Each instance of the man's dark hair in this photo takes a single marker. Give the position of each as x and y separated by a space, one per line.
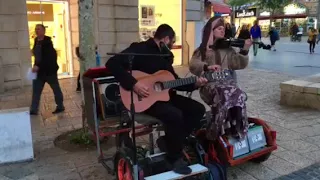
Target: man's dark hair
42 26
164 30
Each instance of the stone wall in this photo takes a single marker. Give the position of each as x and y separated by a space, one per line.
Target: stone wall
116 26
301 93
14 47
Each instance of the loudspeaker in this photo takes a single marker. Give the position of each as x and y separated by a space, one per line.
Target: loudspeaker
110 96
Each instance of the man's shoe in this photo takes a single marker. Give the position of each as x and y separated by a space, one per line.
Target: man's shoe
58 110
33 113
181 167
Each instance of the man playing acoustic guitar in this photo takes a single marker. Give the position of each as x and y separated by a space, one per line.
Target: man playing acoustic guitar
180 115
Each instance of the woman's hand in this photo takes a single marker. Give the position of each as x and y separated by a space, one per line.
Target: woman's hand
214 67
201 81
247 44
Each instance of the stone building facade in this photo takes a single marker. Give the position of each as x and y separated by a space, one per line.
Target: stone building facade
14 44
116 26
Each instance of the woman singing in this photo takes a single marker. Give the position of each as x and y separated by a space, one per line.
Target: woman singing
226 99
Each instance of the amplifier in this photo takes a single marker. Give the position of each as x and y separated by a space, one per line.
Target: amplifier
110 96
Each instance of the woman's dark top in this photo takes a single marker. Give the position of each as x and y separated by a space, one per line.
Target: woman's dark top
244 34
228 33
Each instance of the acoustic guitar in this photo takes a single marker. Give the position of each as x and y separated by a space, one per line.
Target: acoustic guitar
159 85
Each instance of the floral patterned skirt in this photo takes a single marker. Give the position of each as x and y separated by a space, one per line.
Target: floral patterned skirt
228 108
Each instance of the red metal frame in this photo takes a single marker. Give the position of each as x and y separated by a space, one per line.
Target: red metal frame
219 153
98 72
215 152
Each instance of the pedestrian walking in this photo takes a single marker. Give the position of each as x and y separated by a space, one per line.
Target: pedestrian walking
274 37
312 39
234 30
318 36
46 67
255 32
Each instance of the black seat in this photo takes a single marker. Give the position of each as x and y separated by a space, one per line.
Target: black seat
145 119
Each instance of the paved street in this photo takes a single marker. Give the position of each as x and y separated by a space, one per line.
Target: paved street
291 58
298 131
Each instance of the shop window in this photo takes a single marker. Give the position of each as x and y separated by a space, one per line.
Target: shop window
52 15
156 12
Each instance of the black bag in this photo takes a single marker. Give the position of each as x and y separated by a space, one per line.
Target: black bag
217 171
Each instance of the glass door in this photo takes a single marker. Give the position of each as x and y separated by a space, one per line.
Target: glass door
52 15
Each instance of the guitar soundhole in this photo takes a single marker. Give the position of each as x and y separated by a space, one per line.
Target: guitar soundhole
158 86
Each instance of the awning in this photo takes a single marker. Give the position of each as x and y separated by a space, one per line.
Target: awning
282 16
219 7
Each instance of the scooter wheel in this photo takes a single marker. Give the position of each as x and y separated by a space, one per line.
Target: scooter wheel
123 165
262 158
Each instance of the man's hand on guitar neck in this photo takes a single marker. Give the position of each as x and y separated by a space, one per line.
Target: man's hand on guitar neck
141 89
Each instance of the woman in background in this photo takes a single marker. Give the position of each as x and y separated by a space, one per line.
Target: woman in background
244 32
228 31
274 36
312 39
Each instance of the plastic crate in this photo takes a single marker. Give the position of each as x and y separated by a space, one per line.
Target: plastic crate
256 138
240 147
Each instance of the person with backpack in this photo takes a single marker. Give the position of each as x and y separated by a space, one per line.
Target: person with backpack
46 67
274 37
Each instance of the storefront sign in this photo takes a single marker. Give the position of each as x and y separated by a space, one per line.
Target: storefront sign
294 9
246 13
40 12
147 15
265 13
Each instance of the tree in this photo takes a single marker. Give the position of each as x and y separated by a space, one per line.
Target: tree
86 42
272 5
235 3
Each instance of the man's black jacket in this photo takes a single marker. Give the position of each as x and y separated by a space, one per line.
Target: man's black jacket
48 64
118 65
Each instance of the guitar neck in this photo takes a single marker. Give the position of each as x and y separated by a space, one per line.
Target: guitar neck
210 76
179 82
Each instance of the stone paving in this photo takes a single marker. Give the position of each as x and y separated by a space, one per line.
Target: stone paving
298 134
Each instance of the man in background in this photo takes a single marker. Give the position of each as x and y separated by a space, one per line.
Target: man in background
255 32
234 30
46 67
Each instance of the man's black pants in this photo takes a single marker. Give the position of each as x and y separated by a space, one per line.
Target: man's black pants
180 116
78 82
37 87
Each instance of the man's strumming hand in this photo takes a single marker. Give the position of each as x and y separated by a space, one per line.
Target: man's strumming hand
141 89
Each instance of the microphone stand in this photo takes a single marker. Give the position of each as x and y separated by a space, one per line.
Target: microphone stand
131 56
